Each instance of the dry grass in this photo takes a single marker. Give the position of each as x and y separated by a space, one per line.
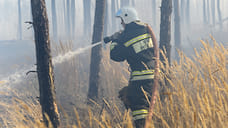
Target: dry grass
197 96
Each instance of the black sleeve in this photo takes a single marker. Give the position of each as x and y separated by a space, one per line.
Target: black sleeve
117 51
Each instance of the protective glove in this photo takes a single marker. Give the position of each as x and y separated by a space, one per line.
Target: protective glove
107 39
112 37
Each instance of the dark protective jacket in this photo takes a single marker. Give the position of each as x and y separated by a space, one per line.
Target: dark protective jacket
135 45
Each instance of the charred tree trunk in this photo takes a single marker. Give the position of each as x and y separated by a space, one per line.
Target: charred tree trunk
177 30
87 17
44 63
19 21
165 29
96 51
73 18
54 20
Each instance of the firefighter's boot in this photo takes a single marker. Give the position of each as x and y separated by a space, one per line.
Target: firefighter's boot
123 97
140 123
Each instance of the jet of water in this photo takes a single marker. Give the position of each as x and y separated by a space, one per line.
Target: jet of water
67 56
19 76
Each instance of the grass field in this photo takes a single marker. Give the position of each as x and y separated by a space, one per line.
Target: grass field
194 93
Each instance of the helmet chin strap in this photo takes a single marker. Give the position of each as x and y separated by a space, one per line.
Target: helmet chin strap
122 23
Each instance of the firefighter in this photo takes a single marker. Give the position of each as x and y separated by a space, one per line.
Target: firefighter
135 44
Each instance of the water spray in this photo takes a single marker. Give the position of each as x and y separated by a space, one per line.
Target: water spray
67 56
18 76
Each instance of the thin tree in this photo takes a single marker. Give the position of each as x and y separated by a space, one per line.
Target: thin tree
183 10
44 64
68 19
177 28
124 3
219 14
213 11
113 12
73 18
87 17
19 21
154 7
204 12
118 4
65 16
165 29
208 12
96 51
106 22
54 20
133 3
165 45
188 13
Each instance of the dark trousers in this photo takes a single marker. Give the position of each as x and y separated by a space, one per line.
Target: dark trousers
136 96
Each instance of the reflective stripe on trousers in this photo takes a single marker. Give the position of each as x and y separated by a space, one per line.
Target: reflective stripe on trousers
139 114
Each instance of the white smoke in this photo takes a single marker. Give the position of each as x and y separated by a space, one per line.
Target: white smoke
20 75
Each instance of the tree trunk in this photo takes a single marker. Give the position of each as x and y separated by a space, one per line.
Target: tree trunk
106 22
68 19
113 12
154 6
208 12
219 14
177 30
64 17
213 11
96 51
188 13
44 63
19 21
133 2
124 3
118 4
165 29
54 20
183 10
204 12
87 17
73 18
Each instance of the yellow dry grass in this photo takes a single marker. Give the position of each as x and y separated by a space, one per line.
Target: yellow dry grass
197 95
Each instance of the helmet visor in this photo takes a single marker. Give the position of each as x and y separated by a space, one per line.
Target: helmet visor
119 13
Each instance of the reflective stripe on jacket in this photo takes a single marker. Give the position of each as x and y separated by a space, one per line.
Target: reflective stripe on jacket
135 45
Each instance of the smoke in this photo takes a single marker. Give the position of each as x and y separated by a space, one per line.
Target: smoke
16 77
20 75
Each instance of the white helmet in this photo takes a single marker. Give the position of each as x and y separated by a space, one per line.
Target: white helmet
128 14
